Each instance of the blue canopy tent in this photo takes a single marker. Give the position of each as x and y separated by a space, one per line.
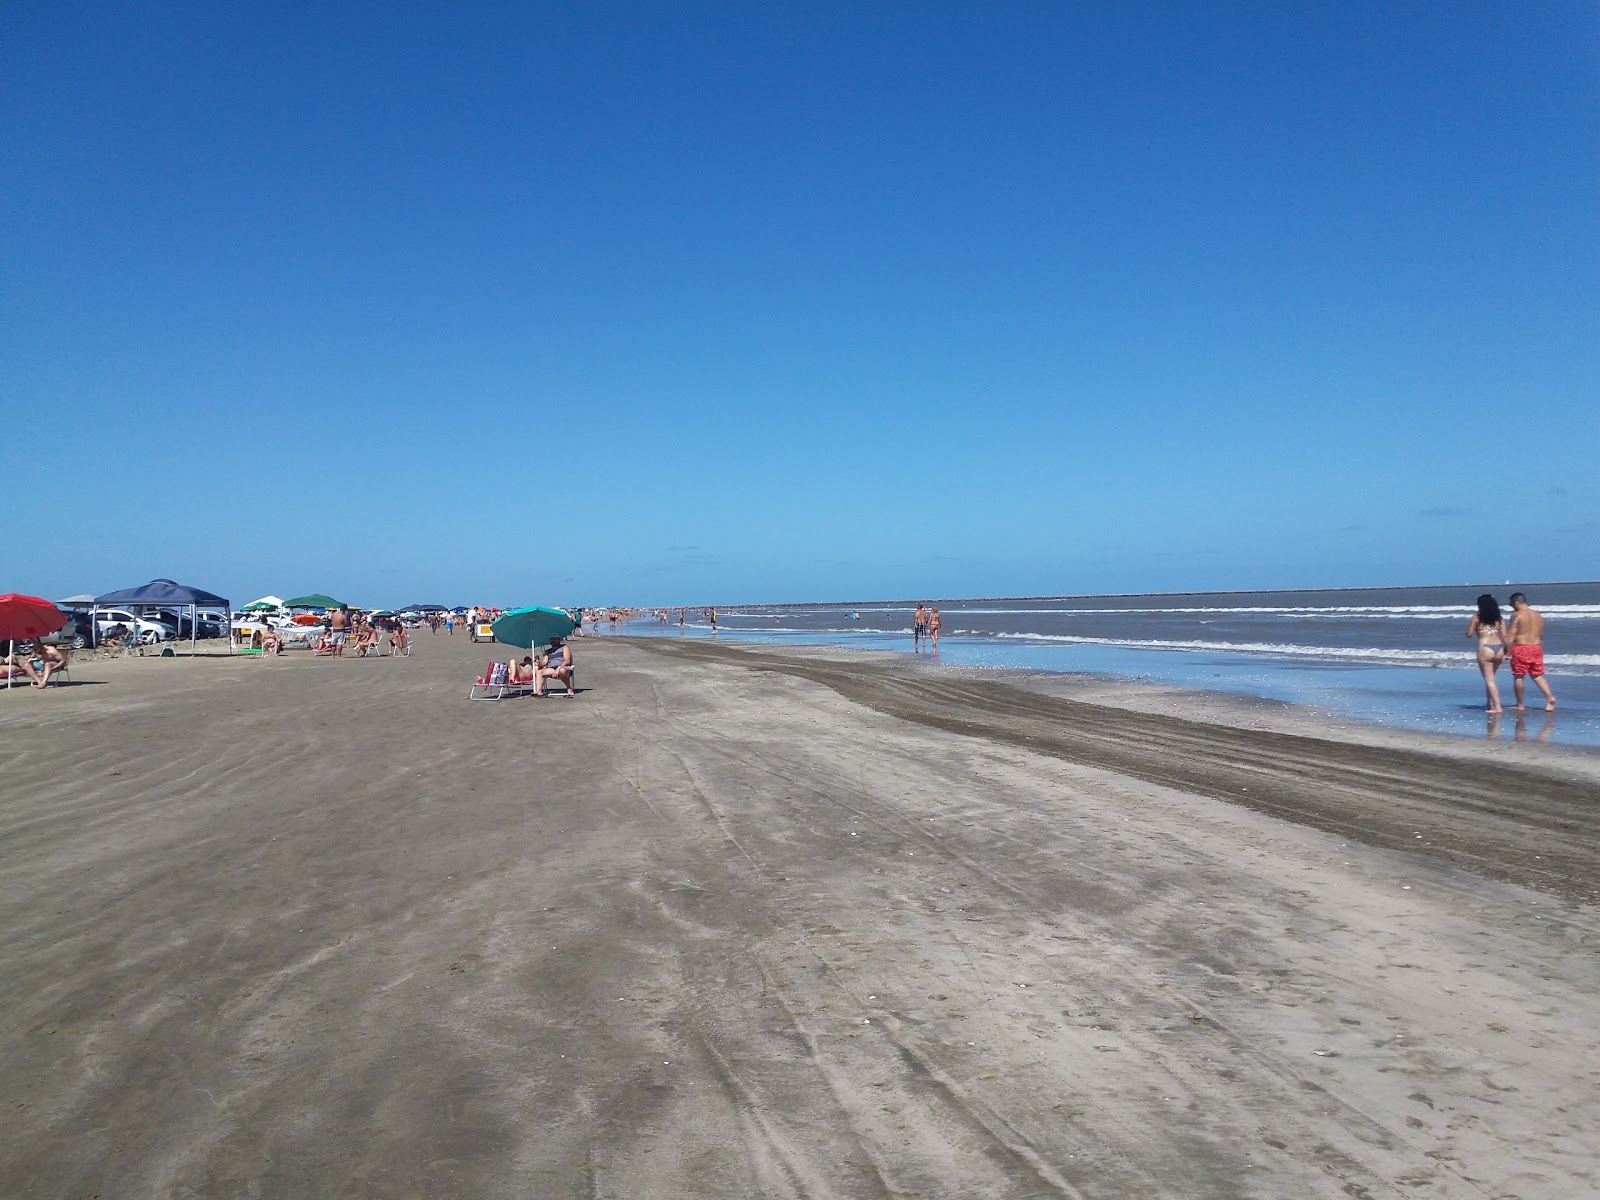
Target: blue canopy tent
163 593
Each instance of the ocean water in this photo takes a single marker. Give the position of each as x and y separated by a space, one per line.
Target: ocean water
1396 657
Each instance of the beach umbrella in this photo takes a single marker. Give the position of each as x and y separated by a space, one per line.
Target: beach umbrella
530 627
315 600
27 617
381 612
426 607
77 601
264 604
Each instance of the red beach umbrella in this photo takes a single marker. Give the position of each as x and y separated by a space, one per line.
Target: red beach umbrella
28 617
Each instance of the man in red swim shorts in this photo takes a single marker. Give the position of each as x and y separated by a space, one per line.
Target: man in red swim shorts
1525 633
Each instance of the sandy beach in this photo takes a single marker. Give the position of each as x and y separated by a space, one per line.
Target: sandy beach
740 922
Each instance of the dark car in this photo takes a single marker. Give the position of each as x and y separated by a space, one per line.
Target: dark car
210 625
75 633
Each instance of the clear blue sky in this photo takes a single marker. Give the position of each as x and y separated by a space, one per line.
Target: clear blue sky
687 303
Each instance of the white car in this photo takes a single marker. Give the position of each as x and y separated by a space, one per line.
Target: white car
149 631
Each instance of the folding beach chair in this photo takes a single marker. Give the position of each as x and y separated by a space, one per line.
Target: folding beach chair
496 684
64 671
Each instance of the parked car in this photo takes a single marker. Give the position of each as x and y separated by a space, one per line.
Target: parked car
177 618
149 630
75 633
212 624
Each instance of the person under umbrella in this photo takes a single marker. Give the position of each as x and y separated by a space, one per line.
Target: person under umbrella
23 617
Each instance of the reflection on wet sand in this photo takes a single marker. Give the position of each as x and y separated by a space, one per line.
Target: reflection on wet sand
1545 729
1519 732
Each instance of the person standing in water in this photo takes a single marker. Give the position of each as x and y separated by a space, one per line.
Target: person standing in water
919 625
935 623
1488 626
1525 633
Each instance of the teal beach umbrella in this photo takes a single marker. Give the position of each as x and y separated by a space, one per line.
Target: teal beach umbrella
529 627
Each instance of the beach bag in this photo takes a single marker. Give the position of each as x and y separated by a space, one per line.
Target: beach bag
496 674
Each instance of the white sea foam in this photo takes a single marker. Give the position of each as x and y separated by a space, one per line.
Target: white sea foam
1391 656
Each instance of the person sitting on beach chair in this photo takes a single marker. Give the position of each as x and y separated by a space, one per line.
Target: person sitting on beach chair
47 660
271 643
116 637
522 672
555 663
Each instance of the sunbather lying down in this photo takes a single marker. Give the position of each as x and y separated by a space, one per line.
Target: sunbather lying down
521 672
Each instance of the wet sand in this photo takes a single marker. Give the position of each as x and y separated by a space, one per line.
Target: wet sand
741 923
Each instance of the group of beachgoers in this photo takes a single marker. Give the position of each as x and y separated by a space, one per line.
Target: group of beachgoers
467 618
925 625
355 631
340 629
32 660
1519 637
555 663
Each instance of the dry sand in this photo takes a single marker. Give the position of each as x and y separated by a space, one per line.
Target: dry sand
736 923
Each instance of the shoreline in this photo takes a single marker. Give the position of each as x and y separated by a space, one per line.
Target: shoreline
1292 765
1394 699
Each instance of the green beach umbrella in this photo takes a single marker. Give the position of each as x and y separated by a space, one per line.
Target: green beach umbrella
258 606
315 600
529 627
381 612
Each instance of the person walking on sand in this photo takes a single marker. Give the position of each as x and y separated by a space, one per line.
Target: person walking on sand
919 626
1488 626
1525 633
935 623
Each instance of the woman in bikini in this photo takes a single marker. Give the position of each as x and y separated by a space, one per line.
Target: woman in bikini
1488 626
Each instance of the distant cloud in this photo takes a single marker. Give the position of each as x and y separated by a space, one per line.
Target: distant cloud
1443 512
